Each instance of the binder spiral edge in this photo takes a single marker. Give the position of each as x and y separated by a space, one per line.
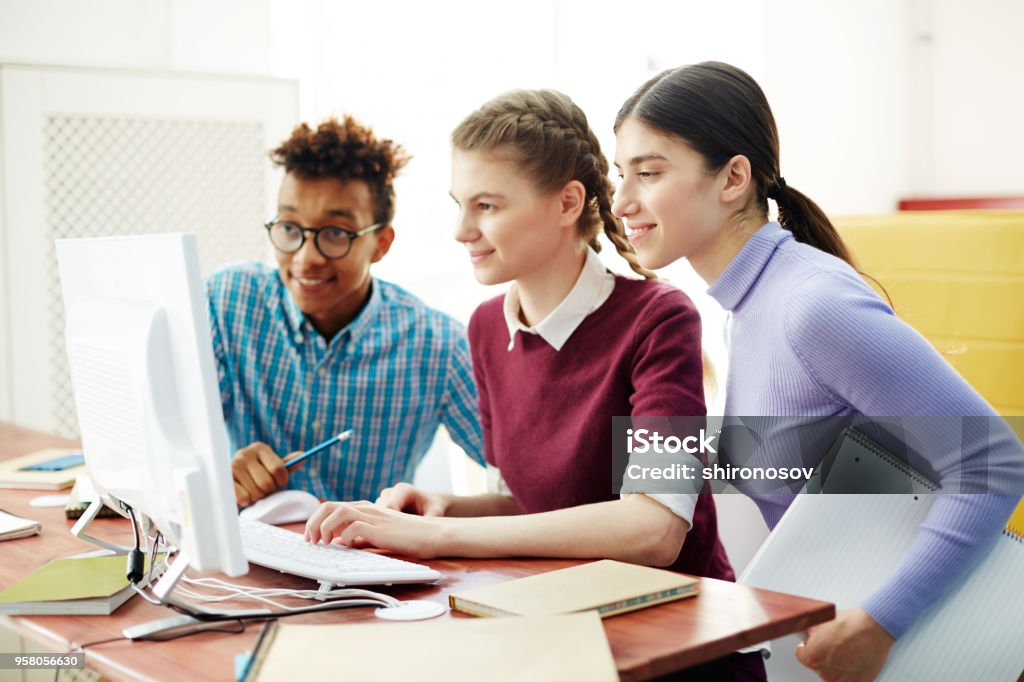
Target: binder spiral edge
892 461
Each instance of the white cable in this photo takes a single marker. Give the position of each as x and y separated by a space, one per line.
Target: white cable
340 593
145 596
355 597
259 593
322 606
264 595
207 599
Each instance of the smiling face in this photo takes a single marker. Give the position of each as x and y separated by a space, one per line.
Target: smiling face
671 205
512 230
330 292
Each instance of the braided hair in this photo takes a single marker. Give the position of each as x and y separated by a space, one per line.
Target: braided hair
547 136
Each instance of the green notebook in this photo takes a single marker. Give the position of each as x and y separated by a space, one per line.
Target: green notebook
74 586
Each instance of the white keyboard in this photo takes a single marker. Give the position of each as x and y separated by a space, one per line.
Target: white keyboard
287 551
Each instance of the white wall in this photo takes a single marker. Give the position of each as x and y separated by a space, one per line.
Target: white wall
879 100
974 103
874 100
838 80
146 37
230 36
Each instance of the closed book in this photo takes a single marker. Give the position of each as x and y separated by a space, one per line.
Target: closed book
13 473
608 587
94 585
12 526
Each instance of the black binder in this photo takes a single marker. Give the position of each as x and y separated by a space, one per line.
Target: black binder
856 464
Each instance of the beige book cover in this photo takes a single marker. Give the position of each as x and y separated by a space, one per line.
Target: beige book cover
608 587
543 649
11 475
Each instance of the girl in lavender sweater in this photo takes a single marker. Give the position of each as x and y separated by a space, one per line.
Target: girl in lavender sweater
698 154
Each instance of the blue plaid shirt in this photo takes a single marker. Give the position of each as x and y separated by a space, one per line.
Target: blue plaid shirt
392 375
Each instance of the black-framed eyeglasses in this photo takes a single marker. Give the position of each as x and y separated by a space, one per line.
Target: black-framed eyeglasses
331 241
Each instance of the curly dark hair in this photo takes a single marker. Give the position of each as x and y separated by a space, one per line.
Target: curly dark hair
346 150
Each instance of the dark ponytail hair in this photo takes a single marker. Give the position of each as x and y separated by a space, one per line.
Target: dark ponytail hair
547 136
721 112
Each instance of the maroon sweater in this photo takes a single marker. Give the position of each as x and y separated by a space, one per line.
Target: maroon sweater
547 414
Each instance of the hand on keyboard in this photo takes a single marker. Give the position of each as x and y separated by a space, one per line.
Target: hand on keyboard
406 498
287 551
377 526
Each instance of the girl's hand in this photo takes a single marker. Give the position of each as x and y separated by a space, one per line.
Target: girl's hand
851 648
359 524
404 497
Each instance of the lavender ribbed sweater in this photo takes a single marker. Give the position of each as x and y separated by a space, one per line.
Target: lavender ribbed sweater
809 338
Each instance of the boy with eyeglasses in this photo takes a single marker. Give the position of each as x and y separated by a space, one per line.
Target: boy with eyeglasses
318 345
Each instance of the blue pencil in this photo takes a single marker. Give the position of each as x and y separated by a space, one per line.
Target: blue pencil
341 437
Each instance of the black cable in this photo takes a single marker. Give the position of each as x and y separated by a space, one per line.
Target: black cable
135 527
237 631
81 647
323 606
157 539
136 557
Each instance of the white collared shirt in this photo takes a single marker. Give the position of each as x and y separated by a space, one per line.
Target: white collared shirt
592 289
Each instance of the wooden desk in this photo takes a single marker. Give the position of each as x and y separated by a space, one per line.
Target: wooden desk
646 643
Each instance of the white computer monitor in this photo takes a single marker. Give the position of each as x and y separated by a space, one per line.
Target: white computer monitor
146 390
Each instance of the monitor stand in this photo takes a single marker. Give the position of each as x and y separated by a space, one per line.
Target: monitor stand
78 530
171 627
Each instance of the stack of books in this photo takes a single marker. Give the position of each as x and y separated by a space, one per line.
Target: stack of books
52 469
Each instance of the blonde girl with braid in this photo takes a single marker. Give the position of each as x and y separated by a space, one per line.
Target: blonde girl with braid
568 347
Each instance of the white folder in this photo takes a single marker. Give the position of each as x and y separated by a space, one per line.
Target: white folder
841 548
